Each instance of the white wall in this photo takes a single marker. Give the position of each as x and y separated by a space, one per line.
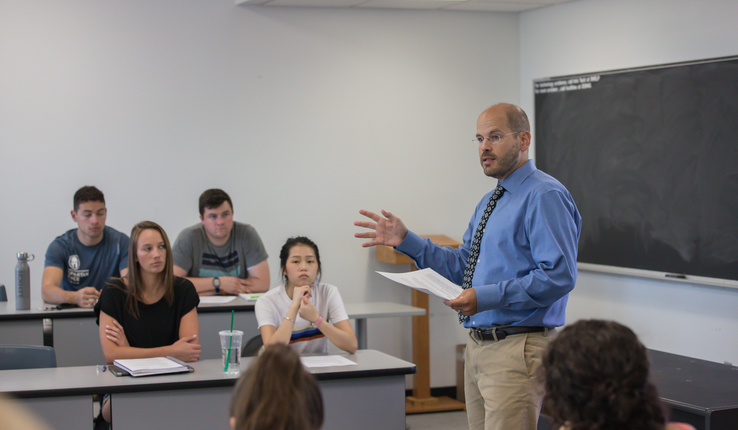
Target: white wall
304 116
598 35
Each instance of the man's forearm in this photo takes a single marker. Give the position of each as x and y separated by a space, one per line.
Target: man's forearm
258 285
56 295
203 286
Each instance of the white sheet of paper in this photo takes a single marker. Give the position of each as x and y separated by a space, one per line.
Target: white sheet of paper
326 361
156 363
251 297
427 281
216 300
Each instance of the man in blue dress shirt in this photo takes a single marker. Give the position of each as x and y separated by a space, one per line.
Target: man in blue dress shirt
517 290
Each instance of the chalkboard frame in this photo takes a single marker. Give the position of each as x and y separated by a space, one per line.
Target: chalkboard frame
561 104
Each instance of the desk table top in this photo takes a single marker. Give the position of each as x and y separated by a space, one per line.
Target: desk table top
381 309
40 310
695 384
84 380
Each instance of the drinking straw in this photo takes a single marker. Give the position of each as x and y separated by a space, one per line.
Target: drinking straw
230 342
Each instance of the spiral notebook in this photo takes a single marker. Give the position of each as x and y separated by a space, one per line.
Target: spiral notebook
152 366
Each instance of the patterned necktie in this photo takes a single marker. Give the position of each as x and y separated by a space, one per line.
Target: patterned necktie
471 263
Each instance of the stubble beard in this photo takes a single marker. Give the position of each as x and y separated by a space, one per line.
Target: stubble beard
505 163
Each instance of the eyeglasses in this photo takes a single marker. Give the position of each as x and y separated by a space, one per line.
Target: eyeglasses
494 139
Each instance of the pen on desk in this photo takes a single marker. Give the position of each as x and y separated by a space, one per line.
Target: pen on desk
675 276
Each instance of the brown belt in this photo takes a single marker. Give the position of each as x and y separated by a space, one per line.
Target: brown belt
499 333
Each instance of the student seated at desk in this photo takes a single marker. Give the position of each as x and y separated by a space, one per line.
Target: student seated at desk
303 312
276 392
80 261
597 378
220 255
150 313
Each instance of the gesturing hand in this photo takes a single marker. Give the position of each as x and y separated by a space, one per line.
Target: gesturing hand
387 231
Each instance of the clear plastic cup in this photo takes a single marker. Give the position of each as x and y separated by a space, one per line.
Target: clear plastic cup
230 347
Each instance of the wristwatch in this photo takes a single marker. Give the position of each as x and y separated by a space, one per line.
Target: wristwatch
216 284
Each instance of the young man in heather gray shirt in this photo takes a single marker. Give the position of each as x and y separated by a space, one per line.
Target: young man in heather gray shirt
219 255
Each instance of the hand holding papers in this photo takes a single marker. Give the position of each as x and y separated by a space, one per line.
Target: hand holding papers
427 281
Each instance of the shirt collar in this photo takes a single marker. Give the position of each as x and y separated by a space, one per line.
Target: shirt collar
516 178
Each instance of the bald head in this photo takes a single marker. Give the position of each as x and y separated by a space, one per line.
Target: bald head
503 133
517 120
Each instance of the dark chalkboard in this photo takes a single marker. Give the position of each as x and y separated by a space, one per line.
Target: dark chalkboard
651 158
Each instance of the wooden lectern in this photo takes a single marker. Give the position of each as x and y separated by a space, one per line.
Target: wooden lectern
421 400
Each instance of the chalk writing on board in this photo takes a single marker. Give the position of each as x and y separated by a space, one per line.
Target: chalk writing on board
571 84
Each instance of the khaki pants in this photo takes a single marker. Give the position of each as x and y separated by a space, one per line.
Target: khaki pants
500 383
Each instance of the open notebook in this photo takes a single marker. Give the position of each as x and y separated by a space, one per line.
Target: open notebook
152 366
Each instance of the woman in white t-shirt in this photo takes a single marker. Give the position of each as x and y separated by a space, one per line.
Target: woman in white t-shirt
303 312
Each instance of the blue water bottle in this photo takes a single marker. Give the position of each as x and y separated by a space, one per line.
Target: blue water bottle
23 281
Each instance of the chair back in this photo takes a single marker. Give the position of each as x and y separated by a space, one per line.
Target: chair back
252 347
26 357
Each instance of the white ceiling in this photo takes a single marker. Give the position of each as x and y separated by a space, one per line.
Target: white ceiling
467 5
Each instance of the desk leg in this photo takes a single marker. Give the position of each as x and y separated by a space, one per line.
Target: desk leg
421 354
361 332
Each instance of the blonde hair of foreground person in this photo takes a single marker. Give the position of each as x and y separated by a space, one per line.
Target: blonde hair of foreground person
277 393
16 417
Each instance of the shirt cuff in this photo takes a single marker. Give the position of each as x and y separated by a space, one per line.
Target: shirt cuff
411 245
487 297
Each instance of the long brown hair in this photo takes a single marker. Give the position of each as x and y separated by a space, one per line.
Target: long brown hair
276 392
135 280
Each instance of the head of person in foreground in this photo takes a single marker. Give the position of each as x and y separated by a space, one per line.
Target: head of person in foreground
277 392
597 378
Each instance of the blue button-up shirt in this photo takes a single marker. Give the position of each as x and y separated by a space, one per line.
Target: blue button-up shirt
528 255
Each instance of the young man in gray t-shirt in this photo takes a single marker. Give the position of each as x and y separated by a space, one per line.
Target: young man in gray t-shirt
219 255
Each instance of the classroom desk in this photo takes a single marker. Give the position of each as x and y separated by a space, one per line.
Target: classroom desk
361 311
20 327
698 392
370 395
76 336
701 393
